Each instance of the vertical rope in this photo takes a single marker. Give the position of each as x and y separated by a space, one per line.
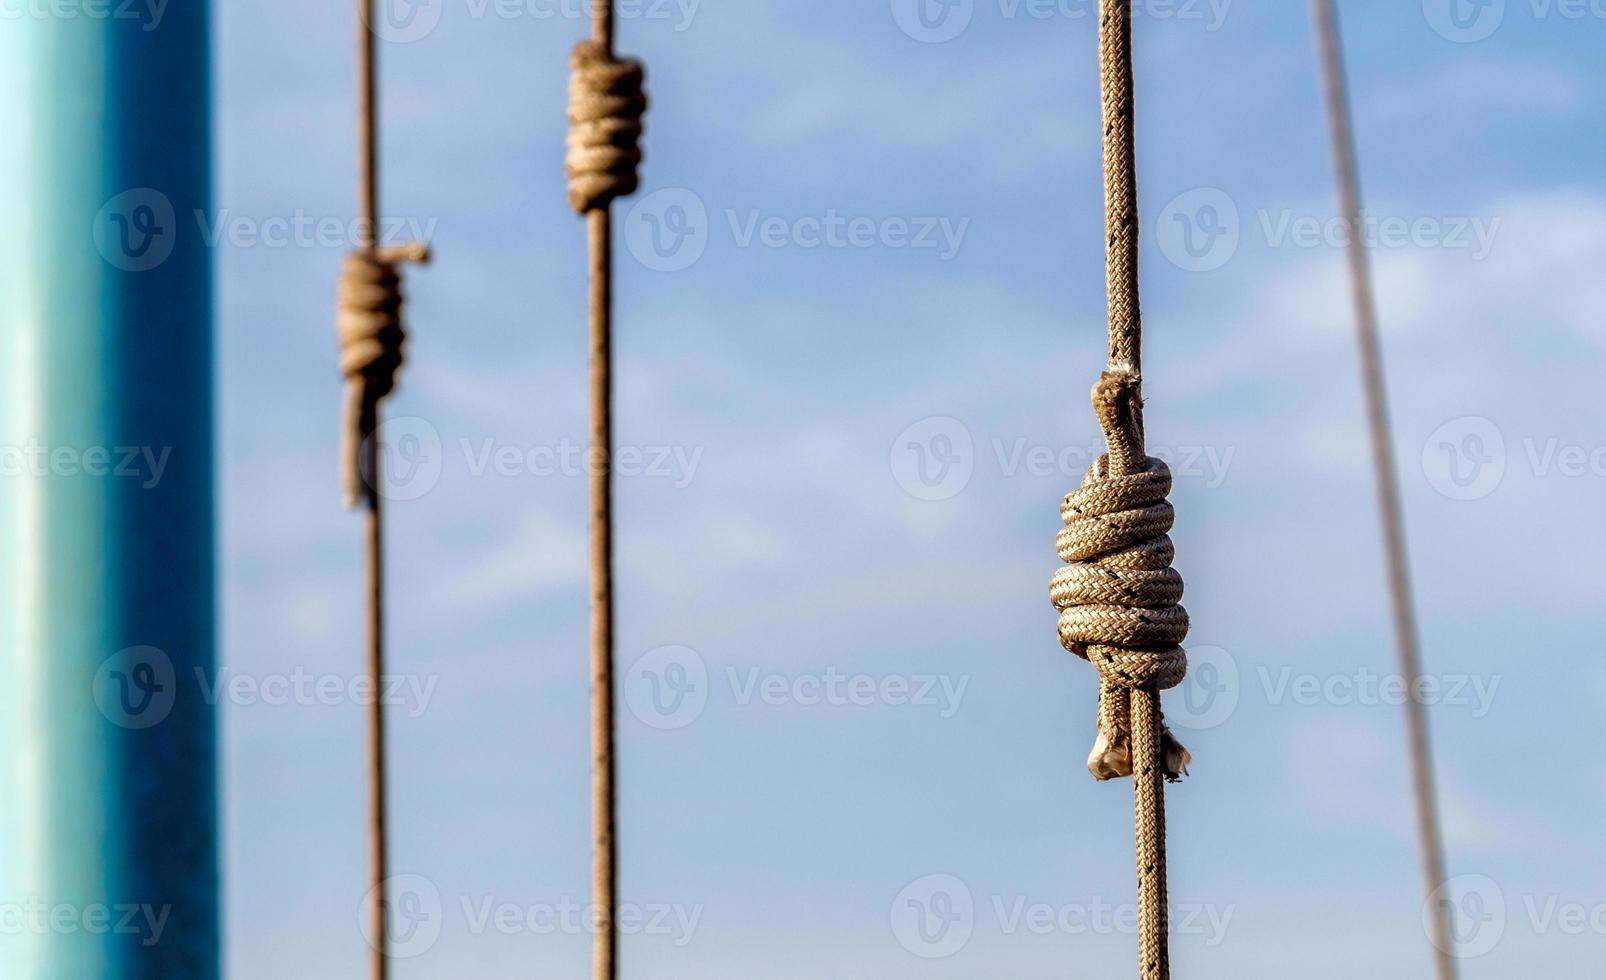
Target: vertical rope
604 866
367 223
1126 352
1120 185
606 105
1346 169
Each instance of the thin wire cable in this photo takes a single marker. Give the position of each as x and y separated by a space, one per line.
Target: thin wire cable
1346 169
1126 352
367 215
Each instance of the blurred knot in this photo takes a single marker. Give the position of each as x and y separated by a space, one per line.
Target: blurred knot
606 105
1118 595
368 324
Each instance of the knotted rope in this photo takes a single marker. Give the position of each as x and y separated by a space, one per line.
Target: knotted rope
606 104
1430 839
1118 599
368 324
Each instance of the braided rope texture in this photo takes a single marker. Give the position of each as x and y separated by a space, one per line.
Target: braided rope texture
607 103
1118 594
368 326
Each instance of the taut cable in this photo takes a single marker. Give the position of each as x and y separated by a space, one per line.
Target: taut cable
1118 596
606 105
1429 837
368 324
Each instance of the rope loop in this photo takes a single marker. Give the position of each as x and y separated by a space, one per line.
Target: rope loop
607 101
368 325
1118 594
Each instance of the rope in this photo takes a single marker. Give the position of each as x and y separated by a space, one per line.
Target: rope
606 104
1118 596
368 326
1429 836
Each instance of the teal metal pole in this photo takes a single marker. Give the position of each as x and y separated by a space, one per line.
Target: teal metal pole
108 768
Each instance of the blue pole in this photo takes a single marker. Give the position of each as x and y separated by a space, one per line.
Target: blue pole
108 769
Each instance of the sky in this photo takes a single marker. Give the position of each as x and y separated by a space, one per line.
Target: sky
859 308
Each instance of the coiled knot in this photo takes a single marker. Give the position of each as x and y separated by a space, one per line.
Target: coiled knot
606 106
368 325
1118 594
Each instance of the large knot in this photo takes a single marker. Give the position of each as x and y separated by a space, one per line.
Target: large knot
1118 594
368 325
606 105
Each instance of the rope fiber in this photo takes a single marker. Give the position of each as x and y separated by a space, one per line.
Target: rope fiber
1118 596
606 106
1430 839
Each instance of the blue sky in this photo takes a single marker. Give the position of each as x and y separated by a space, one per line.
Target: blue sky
872 244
